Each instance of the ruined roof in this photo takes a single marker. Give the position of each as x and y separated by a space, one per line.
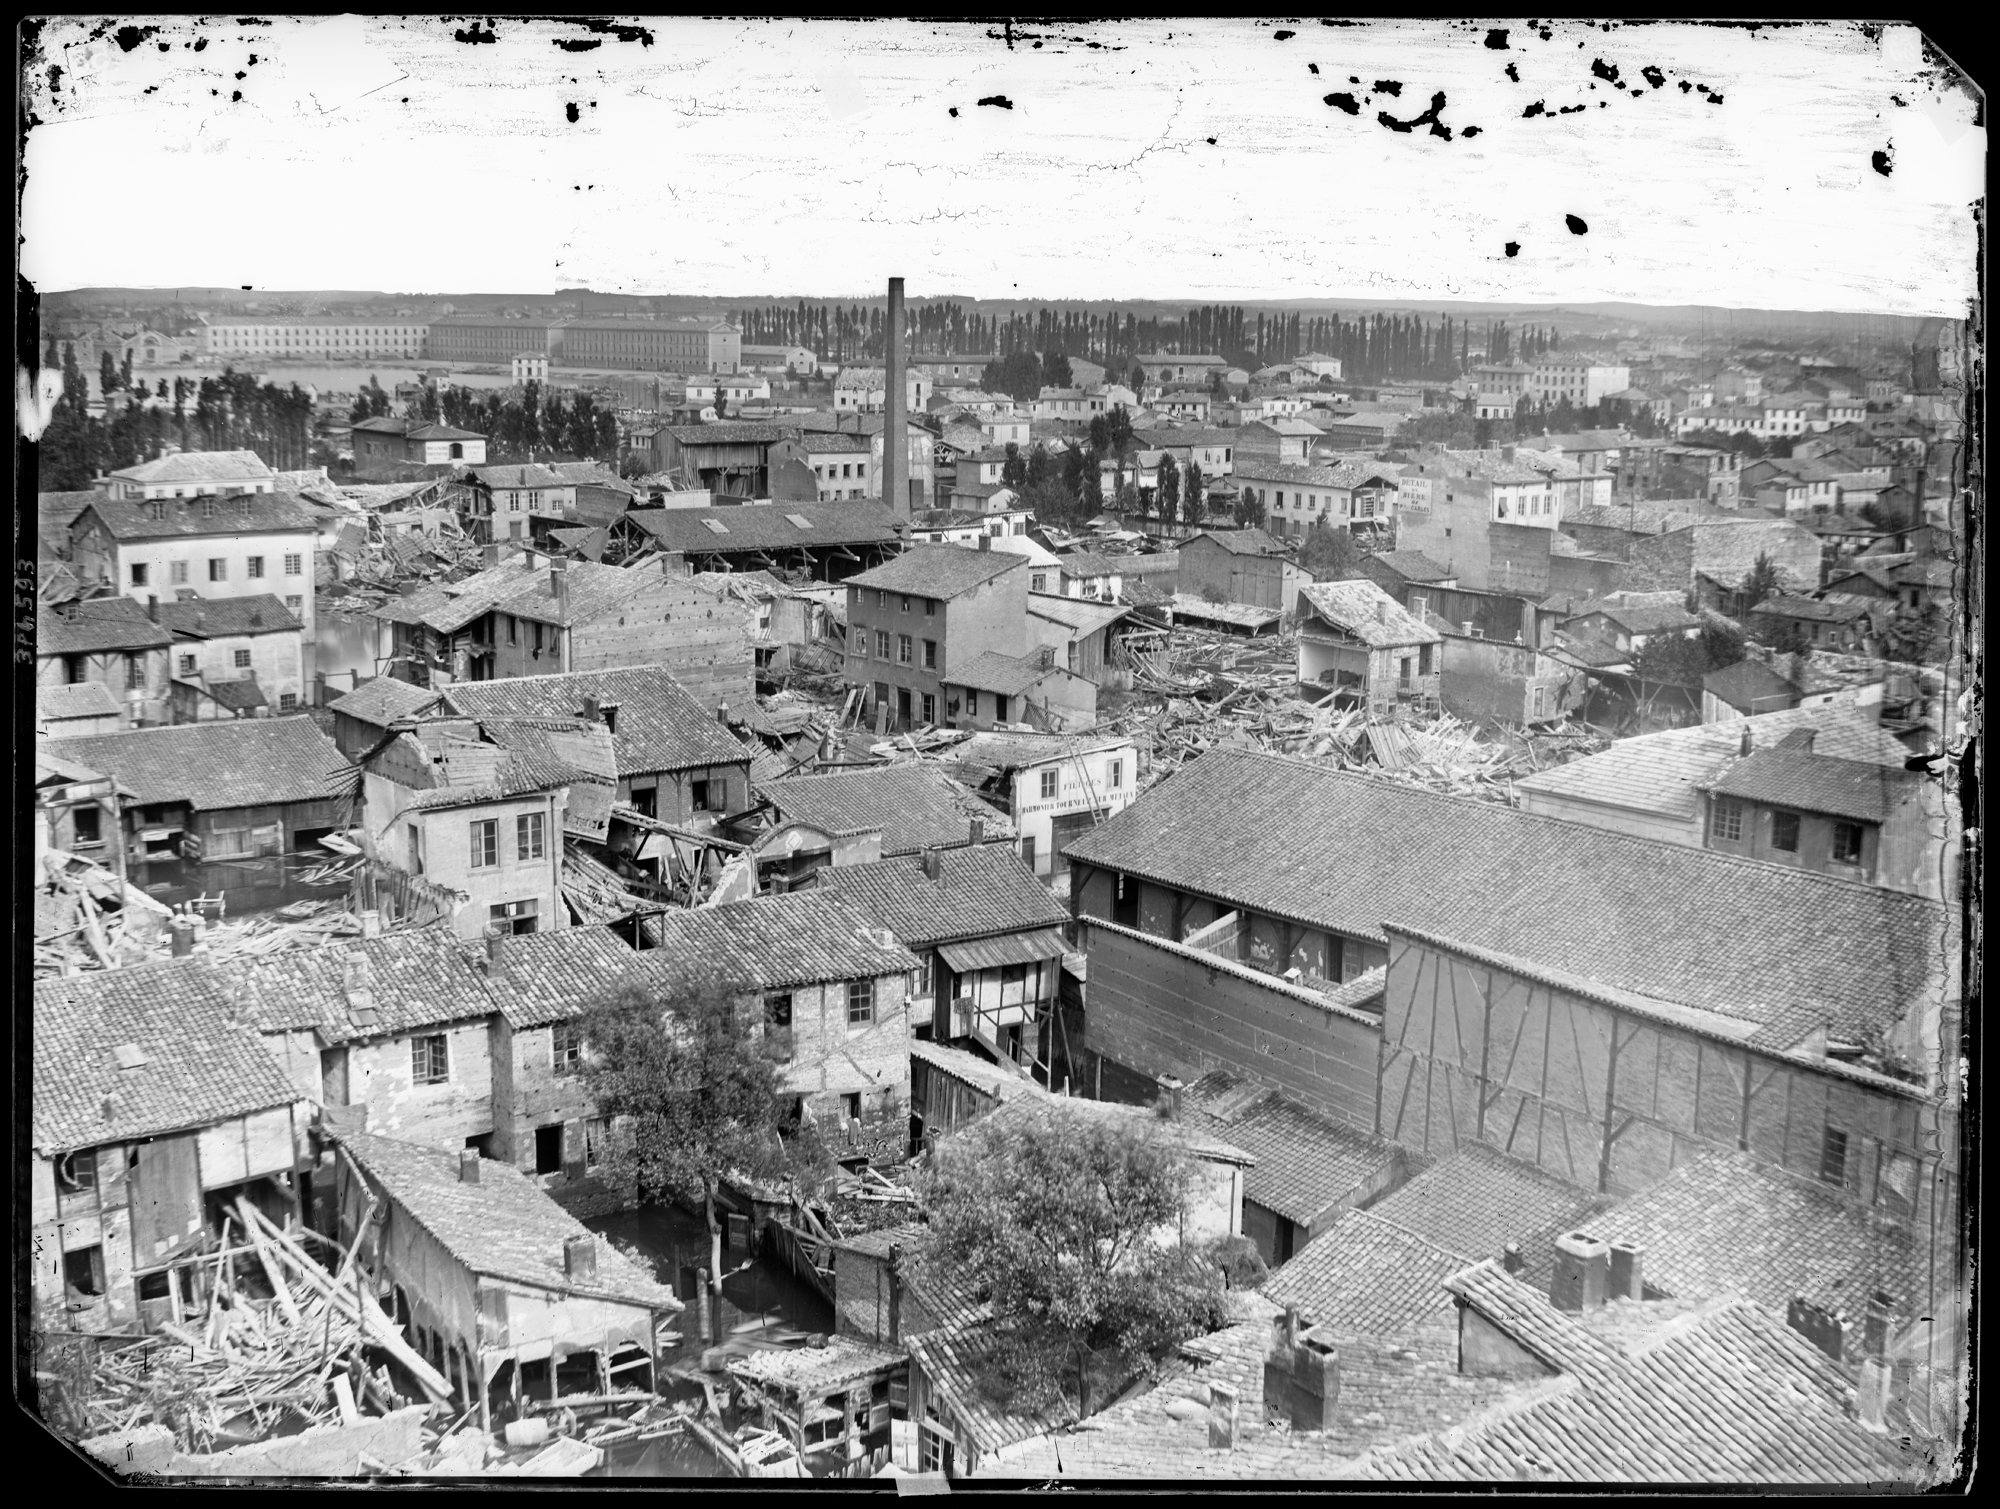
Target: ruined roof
1814 782
203 1061
1364 611
1477 1199
385 700
953 1361
1842 608
1010 750
1081 615
359 989
1725 1222
1343 476
93 626
981 890
660 725
1251 541
1307 1163
912 806
1641 618
943 571
727 432
1738 937
260 762
521 588
1664 772
505 1226
996 1081
815 1371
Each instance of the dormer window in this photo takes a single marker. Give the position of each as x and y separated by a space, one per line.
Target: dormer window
208 508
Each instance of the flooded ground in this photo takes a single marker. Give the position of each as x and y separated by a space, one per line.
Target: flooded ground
249 887
675 1242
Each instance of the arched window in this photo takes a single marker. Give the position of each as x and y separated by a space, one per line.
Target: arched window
457 450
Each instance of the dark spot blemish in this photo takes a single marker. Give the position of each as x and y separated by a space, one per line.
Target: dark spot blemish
954 112
130 37
571 111
1884 160
577 44
1652 76
1513 73
1211 141
1429 118
1312 68
473 34
1538 108
1497 40
235 96
1513 248
1388 86
1605 71
1345 102
998 99
1685 86
1471 131
1576 225
1281 36
200 43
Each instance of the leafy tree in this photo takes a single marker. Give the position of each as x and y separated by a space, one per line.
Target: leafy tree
1041 467
125 373
678 1059
1118 429
1787 636
1100 433
1137 376
1676 661
1056 370
107 374
1073 1225
1330 554
1167 492
1014 470
1194 493
1248 509
1760 582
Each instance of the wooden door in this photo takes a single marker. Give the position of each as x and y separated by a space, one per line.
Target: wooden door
166 1199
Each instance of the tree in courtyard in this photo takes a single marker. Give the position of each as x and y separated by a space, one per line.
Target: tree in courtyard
1330 554
1074 1224
107 374
1056 371
1760 582
1040 470
688 1064
1248 509
1099 433
1014 470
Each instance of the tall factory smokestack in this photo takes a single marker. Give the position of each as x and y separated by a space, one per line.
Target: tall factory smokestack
895 441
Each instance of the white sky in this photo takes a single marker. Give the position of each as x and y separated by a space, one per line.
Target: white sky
738 158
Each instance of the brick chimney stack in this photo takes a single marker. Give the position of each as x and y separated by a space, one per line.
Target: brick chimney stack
468 1165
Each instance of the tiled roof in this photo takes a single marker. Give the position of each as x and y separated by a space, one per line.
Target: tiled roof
511 477
1250 541
1008 675
1815 782
1643 618
1842 609
199 466
1345 476
1743 685
1664 772
205 1063
952 1359
997 751
504 1226
237 696
726 432
979 891
802 938
1413 565
1363 610
1678 924
239 514
385 700
222 617
756 527
913 807
1306 1163
83 699
1366 1274
1079 614
996 1081
212 767
363 988
95 625
1726 1395
1088 563
660 725
1476 1200
942 571
1727 1223
1390 1389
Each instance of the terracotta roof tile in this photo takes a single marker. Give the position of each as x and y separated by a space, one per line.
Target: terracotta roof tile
660 725
257 762
980 890
912 806
1306 1163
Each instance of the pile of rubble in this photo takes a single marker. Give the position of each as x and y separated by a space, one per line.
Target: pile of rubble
1198 691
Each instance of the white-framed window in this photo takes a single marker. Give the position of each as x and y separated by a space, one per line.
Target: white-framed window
860 1002
1726 819
240 659
177 574
485 843
430 1063
295 564
905 649
1114 774
528 836
254 566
